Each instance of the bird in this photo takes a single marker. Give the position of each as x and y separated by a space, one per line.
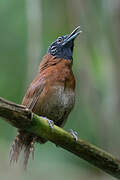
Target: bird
51 94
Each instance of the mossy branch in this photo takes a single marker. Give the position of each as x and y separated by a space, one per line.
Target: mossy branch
20 117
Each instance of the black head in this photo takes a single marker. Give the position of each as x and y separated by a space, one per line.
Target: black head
63 46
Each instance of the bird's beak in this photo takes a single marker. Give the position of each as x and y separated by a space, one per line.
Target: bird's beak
72 35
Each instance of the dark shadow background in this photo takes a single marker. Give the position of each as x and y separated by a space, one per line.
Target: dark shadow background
26 30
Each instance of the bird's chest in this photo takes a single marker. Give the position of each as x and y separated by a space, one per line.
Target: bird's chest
58 104
61 99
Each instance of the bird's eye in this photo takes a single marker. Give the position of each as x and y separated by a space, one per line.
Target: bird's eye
59 40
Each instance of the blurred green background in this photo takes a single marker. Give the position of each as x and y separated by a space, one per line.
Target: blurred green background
27 28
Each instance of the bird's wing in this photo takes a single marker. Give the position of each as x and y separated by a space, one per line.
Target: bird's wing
32 94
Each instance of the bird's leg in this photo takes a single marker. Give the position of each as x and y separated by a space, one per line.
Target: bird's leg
50 122
74 133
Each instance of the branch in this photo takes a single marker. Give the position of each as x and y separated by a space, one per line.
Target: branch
20 117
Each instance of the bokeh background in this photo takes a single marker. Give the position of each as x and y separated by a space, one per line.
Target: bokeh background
27 27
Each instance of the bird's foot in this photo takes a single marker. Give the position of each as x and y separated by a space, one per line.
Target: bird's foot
50 122
74 133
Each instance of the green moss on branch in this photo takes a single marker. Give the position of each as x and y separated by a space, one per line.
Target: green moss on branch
21 117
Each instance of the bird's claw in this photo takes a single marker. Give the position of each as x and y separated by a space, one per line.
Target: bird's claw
74 133
50 122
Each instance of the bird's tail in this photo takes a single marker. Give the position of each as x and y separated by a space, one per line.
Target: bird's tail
25 141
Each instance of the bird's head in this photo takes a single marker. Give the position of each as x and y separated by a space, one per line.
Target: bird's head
63 46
